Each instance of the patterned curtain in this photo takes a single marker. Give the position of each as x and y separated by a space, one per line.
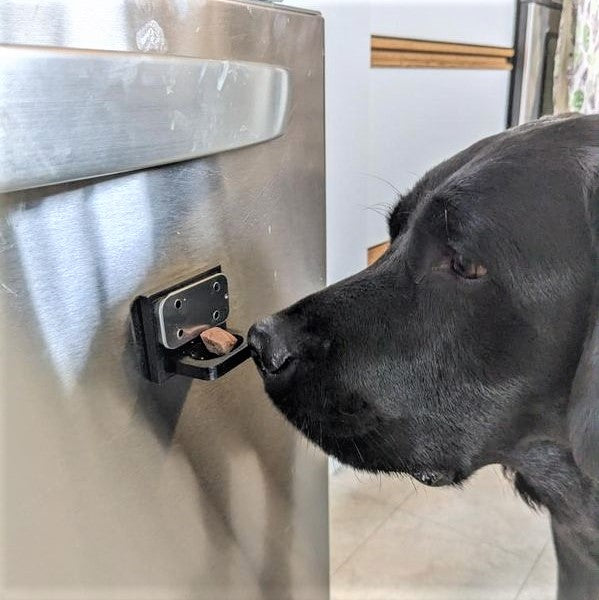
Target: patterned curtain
576 77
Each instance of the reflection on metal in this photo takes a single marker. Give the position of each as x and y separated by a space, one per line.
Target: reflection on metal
113 487
532 84
97 113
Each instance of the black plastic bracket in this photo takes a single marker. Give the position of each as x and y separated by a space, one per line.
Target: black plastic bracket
191 358
198 363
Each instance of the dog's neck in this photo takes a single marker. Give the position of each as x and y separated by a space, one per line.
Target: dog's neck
546 475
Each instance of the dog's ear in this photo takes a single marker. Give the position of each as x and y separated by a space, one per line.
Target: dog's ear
583 415
583 411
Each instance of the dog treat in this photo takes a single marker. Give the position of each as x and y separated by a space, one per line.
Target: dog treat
218 341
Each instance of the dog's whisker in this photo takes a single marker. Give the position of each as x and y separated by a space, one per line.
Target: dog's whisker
446 223
382 211
379 178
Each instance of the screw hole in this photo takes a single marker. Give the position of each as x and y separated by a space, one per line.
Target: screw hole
216 286
178 304
216 315
180 333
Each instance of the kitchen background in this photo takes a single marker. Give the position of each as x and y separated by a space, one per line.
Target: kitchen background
394 109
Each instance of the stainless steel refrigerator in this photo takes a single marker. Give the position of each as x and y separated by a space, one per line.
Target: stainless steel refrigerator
155 151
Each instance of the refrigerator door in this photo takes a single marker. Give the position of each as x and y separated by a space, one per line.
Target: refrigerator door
116 488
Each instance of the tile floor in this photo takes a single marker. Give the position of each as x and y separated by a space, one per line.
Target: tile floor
395 539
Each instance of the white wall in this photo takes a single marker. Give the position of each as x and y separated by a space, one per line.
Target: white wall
347 68
398 123
487 22
420 117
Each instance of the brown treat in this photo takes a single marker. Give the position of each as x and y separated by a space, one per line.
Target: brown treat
218 341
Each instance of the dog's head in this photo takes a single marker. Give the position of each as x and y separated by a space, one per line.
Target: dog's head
467 334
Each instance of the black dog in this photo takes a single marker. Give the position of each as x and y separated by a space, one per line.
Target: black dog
473 340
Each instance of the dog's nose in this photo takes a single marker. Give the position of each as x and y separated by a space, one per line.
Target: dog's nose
272 348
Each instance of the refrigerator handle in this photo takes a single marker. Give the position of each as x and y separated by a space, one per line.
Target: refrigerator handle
75 114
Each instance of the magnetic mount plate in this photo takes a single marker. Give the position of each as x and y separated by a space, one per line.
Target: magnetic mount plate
185 312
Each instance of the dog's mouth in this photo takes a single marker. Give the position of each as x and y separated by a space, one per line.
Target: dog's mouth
434 478
333 422
345 424
284 368
353 435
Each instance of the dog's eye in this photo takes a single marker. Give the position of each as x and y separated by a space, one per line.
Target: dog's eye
468 269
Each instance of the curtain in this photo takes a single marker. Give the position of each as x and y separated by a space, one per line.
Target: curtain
576 77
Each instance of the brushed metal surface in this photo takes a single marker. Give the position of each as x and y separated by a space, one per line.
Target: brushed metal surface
113 488
99 113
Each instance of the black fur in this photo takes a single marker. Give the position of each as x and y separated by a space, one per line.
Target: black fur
409 367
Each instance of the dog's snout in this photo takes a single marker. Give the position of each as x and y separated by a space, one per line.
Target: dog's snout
272 347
